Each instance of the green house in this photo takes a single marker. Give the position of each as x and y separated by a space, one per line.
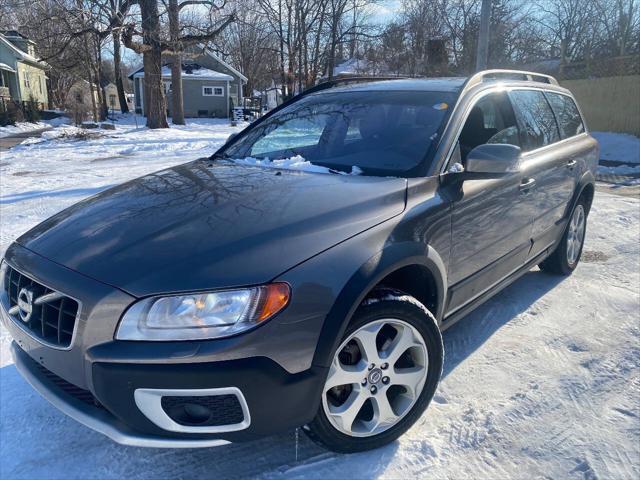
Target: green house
22 76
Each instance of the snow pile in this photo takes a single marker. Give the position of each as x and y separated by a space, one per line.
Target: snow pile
21 127
619 147
619 154
25 127
297 162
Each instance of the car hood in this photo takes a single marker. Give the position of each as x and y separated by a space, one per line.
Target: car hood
203 226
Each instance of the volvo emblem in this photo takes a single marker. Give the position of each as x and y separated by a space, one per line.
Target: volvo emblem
25 304
375 376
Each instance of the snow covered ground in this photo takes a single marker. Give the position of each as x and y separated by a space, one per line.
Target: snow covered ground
25 127
542 381
619 154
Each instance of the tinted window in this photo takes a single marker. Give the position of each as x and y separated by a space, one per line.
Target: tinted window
491 120
382 132
538 125
567 114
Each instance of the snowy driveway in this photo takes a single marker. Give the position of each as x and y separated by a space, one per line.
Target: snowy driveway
541 381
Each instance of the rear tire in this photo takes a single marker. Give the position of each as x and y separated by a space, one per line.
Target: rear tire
566 256
383 375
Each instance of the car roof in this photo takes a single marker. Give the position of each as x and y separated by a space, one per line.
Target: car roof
441 84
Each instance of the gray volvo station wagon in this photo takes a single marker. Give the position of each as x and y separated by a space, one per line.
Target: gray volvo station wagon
231 298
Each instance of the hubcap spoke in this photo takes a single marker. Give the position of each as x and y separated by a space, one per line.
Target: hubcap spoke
403 341
348 411
410 378
366 339
345 374
383 414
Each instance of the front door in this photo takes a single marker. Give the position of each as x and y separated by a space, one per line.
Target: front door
491 223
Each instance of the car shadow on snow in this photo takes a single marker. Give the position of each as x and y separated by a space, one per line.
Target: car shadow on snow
38 441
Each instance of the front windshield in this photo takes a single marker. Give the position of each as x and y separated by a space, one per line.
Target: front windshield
377 132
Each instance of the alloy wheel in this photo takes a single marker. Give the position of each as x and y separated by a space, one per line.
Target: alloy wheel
575 235
375 378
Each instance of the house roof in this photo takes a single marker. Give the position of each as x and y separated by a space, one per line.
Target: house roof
213 55
4 66
191 72
21 55
208 52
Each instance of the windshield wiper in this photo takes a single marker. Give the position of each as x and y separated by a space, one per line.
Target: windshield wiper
218 156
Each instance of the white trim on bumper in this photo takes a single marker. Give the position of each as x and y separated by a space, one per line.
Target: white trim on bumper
149 400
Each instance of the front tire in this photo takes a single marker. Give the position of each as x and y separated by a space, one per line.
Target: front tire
566 256
383 375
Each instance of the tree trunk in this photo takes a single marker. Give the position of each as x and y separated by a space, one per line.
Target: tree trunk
122 98
154 100
104 109
177 102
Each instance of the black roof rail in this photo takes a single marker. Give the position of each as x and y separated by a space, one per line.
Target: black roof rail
337 82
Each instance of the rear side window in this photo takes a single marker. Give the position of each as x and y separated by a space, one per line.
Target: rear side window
537 122
569 119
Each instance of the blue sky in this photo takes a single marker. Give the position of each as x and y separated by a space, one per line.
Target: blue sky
384 11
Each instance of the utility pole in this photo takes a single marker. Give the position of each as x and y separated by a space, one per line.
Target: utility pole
482 54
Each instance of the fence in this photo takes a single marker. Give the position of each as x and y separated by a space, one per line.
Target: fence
610 104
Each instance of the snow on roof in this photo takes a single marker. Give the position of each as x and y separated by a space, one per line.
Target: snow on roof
4 66
21 55
195 72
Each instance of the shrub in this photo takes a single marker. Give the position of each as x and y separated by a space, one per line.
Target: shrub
10 113
31 110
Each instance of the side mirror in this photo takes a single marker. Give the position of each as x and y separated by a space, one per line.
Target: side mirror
231 137
493 158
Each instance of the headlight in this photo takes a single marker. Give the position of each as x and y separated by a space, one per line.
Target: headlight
201 316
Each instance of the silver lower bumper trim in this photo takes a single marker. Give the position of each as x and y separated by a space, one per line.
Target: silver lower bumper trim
95 418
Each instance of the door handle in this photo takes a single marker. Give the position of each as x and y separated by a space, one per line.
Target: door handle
527 184
571 163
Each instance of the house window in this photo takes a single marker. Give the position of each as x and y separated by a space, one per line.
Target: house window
26 79
212 91
40 84
112 100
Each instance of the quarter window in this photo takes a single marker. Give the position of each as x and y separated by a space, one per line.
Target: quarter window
212 91
567 114
537 122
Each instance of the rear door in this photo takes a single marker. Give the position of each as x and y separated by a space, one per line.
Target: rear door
547 165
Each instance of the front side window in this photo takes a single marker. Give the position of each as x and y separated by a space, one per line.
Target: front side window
538 125
491 120
212 91
567 114
381 132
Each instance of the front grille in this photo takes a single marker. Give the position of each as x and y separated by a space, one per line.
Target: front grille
53 315
81 394
204 411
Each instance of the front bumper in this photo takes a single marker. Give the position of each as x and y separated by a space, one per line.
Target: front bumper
275 400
